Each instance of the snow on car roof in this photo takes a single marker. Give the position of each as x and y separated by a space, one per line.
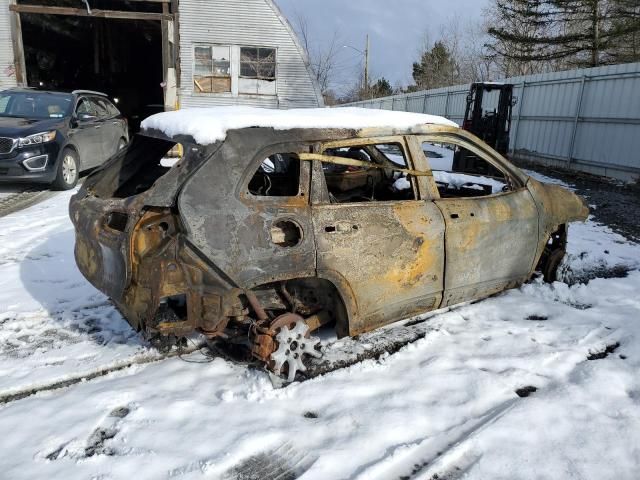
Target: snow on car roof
209 125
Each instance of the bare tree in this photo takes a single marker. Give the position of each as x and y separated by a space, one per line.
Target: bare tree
323 59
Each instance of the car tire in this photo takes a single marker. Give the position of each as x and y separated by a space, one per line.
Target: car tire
550 267
68 171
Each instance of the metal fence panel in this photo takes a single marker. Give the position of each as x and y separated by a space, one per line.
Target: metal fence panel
587 119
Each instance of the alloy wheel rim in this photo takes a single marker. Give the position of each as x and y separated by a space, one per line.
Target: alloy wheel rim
69 169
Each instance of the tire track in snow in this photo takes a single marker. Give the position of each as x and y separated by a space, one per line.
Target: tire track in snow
410 461
23 198
85 377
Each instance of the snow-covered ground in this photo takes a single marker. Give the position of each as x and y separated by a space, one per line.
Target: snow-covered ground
444 405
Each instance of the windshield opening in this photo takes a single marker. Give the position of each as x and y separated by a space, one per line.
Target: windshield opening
35 104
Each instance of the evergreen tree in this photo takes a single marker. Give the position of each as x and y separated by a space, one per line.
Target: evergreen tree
578 32
437 68
382 88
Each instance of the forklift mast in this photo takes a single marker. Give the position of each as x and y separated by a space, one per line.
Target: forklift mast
492 126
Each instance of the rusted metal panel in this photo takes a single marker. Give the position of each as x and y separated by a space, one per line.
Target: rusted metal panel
556 206
390 253
234 228
490 243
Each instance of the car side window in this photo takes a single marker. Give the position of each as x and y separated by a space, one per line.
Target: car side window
85 108
277 176
459 172
100 108
376 175
113 111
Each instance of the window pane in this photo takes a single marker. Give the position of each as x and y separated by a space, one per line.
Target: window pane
221 65
277 176
267 54
459 172
4 101
267 70
259 63
203 60
85 108
212 72
248 70
103 107
347 183
248 54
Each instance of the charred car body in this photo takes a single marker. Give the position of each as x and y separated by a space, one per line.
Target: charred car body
268 233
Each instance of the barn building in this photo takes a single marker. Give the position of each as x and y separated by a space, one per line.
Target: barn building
155 55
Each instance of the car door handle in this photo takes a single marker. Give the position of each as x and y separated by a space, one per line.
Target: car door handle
116 123
97 126
341 227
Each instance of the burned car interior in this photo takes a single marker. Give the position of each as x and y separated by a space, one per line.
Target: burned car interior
277 176
263 237
376 180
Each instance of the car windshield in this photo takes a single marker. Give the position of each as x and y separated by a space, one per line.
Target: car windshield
35 104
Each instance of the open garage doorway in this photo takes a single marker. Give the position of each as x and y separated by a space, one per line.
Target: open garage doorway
120 57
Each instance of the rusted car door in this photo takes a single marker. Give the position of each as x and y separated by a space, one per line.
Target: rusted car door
388 256
490 239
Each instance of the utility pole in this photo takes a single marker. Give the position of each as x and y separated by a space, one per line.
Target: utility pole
366 68
365 54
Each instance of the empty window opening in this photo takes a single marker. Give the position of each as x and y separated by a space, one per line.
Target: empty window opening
277 176
458 172
134 169
379 181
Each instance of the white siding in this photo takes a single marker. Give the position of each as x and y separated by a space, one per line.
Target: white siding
244 23
7 76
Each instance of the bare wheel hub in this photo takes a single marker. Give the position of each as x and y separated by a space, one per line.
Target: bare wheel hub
294 343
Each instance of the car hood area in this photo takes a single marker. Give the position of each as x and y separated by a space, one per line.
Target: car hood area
21 127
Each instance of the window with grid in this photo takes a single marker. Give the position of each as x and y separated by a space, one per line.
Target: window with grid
212 69
258 63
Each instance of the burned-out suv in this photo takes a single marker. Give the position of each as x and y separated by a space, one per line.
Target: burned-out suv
277 222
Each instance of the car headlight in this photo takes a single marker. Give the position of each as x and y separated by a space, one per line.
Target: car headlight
37 138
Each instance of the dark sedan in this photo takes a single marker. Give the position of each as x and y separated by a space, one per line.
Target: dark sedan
50 137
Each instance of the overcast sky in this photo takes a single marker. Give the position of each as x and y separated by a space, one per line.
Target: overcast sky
396 29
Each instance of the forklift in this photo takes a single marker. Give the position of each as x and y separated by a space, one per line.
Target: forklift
491 125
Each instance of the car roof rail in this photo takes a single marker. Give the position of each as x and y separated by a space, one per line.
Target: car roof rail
89 92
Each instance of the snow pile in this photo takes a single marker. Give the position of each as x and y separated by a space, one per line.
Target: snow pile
209 125
402 183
